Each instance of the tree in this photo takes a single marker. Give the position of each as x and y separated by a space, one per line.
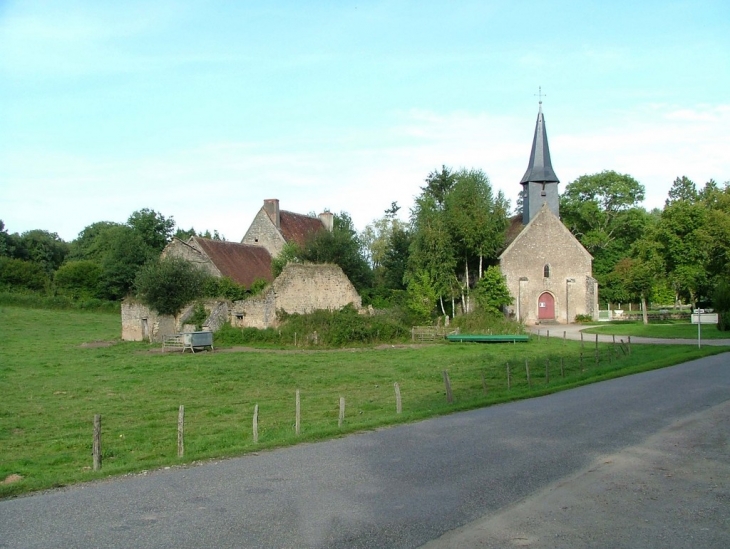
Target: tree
395 261
125 253
342 247
421 295
290 253
89 244
167 285
491 291
456 220
154 228
721 303
683 189
42 247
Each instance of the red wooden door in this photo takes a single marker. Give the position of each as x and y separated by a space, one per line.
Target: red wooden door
546 307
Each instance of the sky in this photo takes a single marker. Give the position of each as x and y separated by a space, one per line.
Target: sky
200 110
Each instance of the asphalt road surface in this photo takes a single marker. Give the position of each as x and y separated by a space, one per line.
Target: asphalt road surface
503 476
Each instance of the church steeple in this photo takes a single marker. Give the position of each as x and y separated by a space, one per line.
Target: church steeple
540 184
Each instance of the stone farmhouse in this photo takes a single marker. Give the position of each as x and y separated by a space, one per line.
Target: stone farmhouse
298 289
549 273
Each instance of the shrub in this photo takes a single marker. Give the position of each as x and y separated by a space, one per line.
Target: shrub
486 322
78 278
583 319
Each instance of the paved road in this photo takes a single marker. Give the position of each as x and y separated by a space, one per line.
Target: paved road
398 487
573 331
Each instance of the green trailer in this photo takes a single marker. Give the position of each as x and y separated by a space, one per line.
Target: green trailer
477 338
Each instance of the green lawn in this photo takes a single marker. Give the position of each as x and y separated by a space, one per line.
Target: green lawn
662 329
53 383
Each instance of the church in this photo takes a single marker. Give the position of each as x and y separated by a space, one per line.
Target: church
548 272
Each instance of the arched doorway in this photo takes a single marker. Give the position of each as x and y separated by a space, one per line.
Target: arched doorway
546 307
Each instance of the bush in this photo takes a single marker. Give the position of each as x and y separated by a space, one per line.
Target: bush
486 322
20 274
78 279
583 319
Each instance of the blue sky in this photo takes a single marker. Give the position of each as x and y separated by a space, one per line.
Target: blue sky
201 110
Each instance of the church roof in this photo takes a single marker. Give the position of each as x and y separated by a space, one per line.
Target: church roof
540 169
242 263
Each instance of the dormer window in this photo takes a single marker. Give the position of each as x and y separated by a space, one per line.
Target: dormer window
546 271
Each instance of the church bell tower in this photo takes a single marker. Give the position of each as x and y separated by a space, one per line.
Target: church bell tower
539 184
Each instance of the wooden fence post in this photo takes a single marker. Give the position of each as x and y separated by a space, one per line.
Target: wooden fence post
581 340
96 448
398 407
256 424
614 343
527 371
298 419
547 337
447 383
564 334
342 412
596 342
629 345
181 431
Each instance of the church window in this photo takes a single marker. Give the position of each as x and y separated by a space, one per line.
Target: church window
546 271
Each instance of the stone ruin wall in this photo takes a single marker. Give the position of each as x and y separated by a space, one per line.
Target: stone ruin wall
136 315
298 289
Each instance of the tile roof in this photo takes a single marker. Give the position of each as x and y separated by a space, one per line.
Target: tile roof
242 263
297 227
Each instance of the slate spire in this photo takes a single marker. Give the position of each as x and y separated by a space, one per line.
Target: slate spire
539 182
540 169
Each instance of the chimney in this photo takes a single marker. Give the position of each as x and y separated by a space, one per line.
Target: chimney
327 219
271 207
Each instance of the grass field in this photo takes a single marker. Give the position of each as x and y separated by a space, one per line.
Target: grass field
667 329
59 368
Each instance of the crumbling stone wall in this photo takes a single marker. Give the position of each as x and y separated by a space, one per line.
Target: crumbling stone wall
141 323
298 289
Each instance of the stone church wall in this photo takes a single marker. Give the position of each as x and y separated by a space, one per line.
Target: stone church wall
262 232
546 241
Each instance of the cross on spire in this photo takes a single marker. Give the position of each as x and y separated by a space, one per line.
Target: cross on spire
539 94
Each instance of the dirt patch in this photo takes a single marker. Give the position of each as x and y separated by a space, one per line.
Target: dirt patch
12 479
96 344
